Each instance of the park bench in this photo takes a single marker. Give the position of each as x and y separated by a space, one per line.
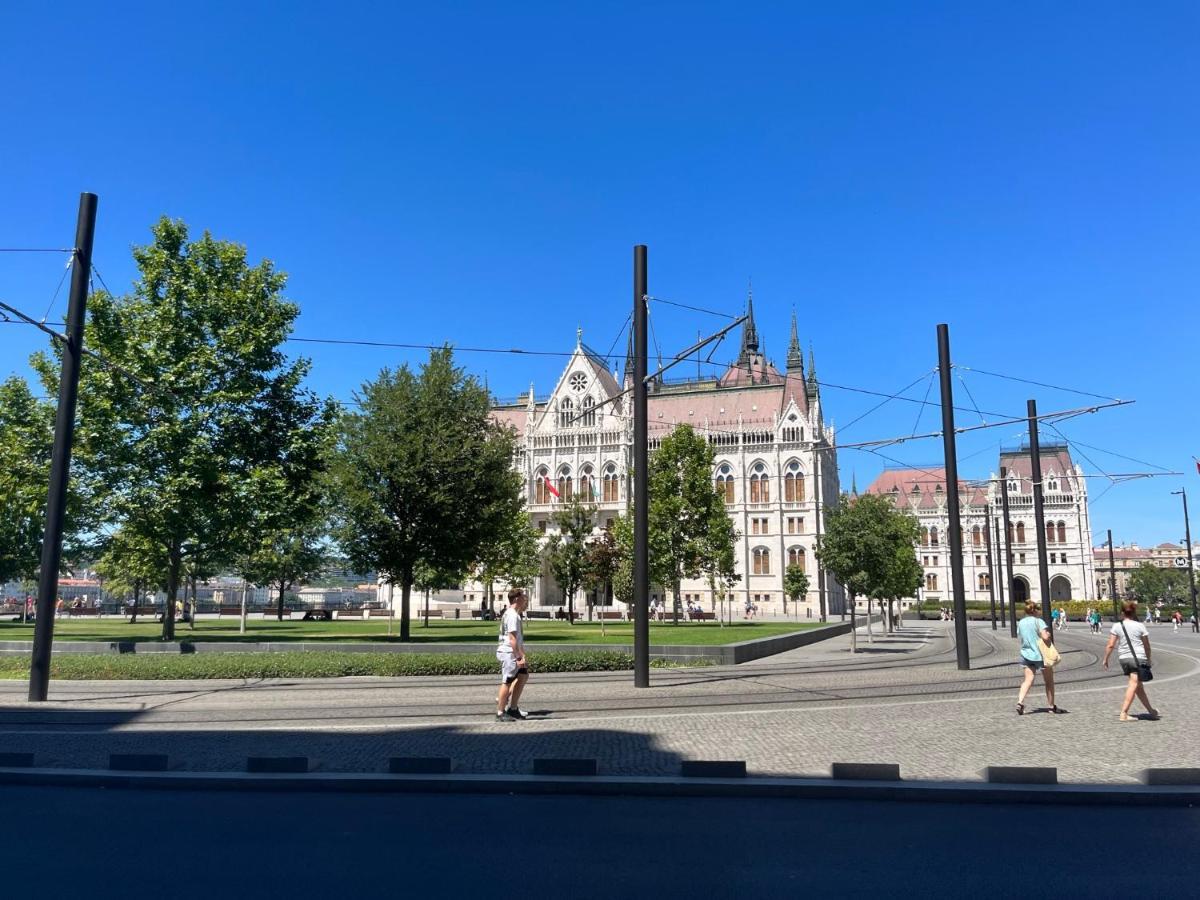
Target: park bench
228 611
317 615
84 611
379 613
703 617
433 614
274 613
355 615
537 614
610 616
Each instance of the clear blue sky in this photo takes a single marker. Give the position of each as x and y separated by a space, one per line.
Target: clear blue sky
477 173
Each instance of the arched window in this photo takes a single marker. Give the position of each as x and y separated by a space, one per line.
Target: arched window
793 483
541 493
565 484
588 417
985 582
1011 539
762 561
976 536
1062 532
566 413
924 536
1020 532
760 484
931 581
796 557
1014 486
987 536
610 483
933 536
1053 483
725 483
587 489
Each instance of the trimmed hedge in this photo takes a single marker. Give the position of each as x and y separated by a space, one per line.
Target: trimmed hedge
163 666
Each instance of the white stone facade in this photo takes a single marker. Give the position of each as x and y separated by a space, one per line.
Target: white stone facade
767 431
921 492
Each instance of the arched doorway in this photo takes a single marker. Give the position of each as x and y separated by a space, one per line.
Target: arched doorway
1020 591
1060 588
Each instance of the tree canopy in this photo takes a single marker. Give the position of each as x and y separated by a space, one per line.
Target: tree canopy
26 436
567 552
180 427
423 474
690 529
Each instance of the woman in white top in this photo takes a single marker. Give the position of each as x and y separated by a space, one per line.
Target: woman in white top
1134 642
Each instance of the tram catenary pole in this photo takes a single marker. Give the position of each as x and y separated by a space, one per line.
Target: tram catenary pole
1187 530
1112 578
1000 570
963 651
1039 514
1008 560
641 459
60 458
987 518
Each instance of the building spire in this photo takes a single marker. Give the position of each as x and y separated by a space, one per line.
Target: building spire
853 483
795 356
629 354
749 332
813 389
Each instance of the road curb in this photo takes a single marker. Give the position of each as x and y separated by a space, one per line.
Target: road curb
614 785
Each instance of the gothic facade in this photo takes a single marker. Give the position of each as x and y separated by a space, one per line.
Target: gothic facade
922 493
775 465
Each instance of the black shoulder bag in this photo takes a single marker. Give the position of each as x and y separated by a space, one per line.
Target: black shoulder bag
1144 672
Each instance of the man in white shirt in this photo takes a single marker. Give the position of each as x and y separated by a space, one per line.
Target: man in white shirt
514 668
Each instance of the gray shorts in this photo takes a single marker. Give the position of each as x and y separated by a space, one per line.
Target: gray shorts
509 670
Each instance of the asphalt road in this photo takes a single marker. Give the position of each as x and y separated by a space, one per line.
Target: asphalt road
105 843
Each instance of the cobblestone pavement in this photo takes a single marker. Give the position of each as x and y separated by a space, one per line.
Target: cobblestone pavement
900 699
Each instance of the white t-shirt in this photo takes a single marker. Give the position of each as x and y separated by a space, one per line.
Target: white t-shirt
1136 632
510 623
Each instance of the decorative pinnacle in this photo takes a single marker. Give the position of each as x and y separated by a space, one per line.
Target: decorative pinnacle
795 356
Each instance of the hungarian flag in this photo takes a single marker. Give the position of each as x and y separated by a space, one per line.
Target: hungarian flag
1197 461
552 489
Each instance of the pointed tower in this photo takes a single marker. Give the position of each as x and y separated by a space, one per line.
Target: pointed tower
795 356
629 360
749 332
814 389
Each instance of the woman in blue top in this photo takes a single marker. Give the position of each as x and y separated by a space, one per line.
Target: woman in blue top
1030 629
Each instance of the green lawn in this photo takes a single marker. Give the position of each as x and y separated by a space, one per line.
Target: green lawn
536 630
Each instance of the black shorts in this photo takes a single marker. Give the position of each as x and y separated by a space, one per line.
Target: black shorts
1035 664
1129 668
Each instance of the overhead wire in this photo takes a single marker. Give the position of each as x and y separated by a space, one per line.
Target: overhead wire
701 309
886 400
1055 387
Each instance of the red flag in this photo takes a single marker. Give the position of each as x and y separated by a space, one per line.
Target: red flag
550 487
1197 465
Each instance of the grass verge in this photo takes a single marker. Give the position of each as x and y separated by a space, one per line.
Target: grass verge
155 667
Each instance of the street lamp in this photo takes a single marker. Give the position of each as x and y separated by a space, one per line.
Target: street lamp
1187 530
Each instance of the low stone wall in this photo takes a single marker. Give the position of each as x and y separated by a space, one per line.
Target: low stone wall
728 654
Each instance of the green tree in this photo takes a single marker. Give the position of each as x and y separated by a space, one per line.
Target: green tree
863 540
130 567
511 553
172 427
904 573
567 552
427 580
622 579
689 526
423 475
288 521
26 436
1149 583
603 562
795 584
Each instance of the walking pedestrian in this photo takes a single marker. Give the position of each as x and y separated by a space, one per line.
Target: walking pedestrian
1128 634
1095 621
1176 621
514 667
1037 642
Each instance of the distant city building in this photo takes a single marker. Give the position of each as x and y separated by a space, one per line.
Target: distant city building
921 492
773 462
1125 559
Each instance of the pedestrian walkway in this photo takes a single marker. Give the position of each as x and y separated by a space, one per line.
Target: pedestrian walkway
900 699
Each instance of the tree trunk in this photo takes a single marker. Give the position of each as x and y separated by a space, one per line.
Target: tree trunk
675 606
405 596
571 605
137 590
853 621
175 563
279 602
426 607
192 617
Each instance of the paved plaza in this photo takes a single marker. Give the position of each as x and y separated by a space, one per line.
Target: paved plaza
901 699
